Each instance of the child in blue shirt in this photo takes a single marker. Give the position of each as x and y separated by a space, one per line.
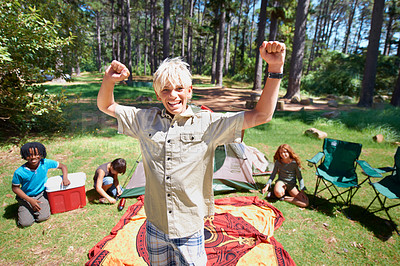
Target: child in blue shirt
28 184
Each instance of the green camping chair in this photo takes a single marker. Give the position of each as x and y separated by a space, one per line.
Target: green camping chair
337 170
386 188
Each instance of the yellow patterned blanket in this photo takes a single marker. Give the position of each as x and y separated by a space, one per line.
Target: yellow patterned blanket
240 233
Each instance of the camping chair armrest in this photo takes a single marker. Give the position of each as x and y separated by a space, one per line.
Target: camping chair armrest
383 170
368 169
314 160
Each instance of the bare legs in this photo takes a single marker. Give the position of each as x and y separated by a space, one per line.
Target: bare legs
299 198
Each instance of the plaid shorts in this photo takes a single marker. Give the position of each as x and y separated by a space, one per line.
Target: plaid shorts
163 250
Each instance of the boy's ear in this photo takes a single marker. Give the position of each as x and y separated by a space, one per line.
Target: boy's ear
190 90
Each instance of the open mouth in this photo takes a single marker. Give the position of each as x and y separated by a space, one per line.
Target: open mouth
174 104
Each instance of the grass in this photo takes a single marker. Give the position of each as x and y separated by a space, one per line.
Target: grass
323 236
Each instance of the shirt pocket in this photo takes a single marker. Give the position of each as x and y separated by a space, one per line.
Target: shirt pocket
192 145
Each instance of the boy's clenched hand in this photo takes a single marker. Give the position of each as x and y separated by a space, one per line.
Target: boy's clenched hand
273 53
117 72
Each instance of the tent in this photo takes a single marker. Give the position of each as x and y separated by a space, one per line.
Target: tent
234 167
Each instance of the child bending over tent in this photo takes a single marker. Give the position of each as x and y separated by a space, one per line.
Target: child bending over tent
106 180
287 165
177 147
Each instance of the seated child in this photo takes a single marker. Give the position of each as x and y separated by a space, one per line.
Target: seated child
106 180
28 184
287 165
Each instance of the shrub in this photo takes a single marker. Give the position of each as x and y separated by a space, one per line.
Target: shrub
342 74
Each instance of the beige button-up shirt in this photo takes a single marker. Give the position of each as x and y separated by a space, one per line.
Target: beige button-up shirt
178 162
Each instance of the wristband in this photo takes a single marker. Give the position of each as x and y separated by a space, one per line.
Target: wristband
275 75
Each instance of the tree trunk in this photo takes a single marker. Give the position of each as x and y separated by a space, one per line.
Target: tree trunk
190 35
152 36
362 18
273 26
244 32
228 53
114 55
98 61
296 62
349 24
314 44
252 29
260 38
183 29
321 27
389 33
395 101
173 38
213 61
128 38
371 62
236 39
78 68
122 40
167 26
138 47
146 46
273 30
221 47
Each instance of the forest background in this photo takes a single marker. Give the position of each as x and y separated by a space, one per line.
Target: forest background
340 47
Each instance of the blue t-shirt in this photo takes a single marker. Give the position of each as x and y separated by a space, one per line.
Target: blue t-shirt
32 181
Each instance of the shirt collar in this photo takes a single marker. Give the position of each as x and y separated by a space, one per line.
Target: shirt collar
187 113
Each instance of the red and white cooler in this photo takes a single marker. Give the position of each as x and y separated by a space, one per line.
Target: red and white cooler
66 198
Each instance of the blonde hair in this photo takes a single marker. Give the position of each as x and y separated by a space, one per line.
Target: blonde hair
174 72
292 154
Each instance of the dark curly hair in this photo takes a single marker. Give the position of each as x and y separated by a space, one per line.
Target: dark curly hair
119 165
33 148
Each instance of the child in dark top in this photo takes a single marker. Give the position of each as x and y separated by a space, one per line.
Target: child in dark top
28 184
287 165
106 180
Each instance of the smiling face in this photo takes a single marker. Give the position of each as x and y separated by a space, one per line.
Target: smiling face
175 98
284 154
172 84
33 159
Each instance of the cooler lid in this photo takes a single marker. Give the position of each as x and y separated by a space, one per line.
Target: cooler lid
55 183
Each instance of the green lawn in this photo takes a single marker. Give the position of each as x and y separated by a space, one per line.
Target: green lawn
322 236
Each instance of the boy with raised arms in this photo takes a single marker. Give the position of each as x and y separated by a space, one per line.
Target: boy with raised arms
177 147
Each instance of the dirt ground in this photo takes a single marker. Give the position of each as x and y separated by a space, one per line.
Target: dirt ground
230 99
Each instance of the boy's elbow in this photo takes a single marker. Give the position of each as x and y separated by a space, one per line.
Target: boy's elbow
101 106
107 109
263 118
254 118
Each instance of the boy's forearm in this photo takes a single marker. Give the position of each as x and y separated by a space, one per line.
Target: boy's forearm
265 107
105 97
268 99
18 191
64 170
274 54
